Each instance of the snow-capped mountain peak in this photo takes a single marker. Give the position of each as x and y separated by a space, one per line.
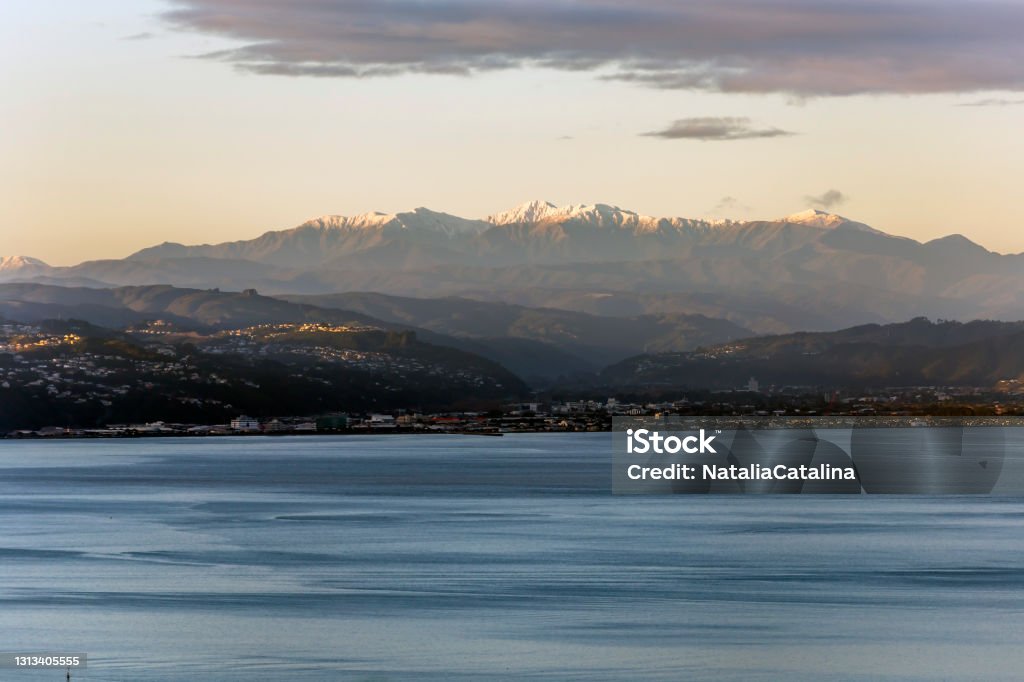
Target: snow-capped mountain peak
812 217
373 219
423 219
8 263
545 211
530 212
417 220
815 218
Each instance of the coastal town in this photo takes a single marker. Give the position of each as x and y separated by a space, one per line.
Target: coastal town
535 417
197 386
86 376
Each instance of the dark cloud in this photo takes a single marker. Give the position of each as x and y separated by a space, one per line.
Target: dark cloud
707 128
800 47
993 102
828 200
139 36
730 203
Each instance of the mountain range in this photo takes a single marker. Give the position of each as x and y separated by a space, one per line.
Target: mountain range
552 348
807 271
918 352
539 344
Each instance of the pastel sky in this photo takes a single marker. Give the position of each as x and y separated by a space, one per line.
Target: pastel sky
127 123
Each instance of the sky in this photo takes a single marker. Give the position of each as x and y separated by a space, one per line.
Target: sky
127 123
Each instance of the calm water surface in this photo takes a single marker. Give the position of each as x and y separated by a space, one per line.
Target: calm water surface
452 557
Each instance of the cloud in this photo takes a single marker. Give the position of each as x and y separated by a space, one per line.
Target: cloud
993 102
730 203
828 200
139 36
707 128
799 47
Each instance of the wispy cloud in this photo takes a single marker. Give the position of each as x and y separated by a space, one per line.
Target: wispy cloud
800 47
707 128
993 102
828 200
139 36
730 203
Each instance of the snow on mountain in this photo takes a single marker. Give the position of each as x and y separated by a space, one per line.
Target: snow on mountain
815 218
607 216
12 263
812 217
546 212
530 212
452 226
322 240
419 220
538 232
813 260
596 215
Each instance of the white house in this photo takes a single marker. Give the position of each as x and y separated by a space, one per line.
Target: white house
244 423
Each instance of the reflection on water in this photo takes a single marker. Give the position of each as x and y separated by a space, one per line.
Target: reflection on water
437 557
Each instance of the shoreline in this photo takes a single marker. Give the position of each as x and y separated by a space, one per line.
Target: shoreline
350 432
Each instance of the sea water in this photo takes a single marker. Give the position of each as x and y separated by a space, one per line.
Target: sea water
459 557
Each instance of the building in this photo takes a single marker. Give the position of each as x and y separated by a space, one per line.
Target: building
275 426
381 421
244 423
332 422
